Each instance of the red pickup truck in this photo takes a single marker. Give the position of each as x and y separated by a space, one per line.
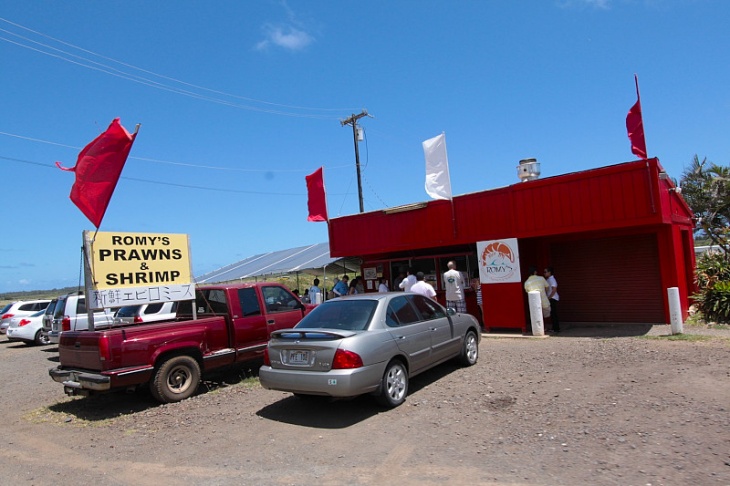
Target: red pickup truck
233 326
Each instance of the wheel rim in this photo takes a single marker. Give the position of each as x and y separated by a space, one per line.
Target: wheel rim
395 383
472 349
179 379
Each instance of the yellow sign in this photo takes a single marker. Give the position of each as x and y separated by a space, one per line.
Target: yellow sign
139 259
132 268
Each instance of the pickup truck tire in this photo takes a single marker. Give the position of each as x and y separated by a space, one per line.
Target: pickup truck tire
176 379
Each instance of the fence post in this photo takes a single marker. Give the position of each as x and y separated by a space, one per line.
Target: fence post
538 326
675 310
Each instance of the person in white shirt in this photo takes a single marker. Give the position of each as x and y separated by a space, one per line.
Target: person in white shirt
422 287
553 297
383 287
454 283
408 282
315 293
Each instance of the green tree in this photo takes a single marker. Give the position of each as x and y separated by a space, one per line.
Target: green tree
706 188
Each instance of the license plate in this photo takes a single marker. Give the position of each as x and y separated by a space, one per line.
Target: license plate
298 357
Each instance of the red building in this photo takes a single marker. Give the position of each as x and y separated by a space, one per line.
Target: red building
618 238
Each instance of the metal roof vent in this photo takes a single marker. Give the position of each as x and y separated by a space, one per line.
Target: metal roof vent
528 170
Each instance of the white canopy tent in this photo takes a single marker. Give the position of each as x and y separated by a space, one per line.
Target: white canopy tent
312 260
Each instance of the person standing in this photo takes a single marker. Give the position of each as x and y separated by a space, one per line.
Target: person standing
422 287
341 287
383 286
454 284
408 282
536 282
476 285
353 287
553 297
315 293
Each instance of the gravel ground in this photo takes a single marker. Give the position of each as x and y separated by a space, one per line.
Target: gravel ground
591 406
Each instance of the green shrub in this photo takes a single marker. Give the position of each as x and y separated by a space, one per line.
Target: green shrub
713 285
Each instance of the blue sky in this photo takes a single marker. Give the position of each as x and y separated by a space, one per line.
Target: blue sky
239 101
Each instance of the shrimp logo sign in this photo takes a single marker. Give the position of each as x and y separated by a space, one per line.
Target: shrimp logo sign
499 261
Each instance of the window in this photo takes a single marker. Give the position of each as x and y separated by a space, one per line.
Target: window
353 315
81 306
401 311
278 300
153 308
427 307
211 301
249 302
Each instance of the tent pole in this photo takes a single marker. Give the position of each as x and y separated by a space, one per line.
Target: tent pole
324 283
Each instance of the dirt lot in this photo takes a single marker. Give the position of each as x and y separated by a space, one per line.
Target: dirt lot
592 406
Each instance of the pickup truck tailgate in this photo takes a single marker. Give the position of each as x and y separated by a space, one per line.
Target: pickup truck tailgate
81 350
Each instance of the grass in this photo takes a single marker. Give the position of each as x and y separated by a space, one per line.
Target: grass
680 337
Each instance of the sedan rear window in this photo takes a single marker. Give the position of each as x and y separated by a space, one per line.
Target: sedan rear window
352 315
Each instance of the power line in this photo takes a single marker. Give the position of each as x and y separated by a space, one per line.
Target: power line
151 83
181 164
172 184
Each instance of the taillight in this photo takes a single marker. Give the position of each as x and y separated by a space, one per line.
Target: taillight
346 360
267 361
104 349
138 320
23 322
7 316
66 323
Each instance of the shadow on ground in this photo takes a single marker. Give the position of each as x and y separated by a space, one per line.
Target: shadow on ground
327 413
112 405
584 330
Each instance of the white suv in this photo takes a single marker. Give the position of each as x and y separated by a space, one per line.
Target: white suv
70 314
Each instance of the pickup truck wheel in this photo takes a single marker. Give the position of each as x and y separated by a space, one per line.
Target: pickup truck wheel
176 379
394 387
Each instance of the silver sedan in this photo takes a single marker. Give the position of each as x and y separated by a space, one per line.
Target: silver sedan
367 343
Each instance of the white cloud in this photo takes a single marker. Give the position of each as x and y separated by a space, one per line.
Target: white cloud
597 4
286 36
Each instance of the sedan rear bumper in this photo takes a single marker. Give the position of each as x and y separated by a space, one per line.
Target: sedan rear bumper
333 383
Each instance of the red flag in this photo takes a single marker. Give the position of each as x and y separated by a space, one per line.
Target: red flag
97 170
635 126
316 201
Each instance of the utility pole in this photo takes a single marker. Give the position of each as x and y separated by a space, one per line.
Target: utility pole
353 121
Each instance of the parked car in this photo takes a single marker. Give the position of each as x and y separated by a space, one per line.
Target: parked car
20 309
70 314
27 329
367 343
137 314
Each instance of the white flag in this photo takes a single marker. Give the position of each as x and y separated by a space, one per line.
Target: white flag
438 183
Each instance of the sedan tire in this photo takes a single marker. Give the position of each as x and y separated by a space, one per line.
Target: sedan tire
41 339
394 387
470 350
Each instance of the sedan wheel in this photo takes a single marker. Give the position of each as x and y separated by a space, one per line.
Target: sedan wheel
41 339
394 387
470 352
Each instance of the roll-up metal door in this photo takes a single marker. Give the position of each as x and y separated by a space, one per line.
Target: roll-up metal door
609 280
